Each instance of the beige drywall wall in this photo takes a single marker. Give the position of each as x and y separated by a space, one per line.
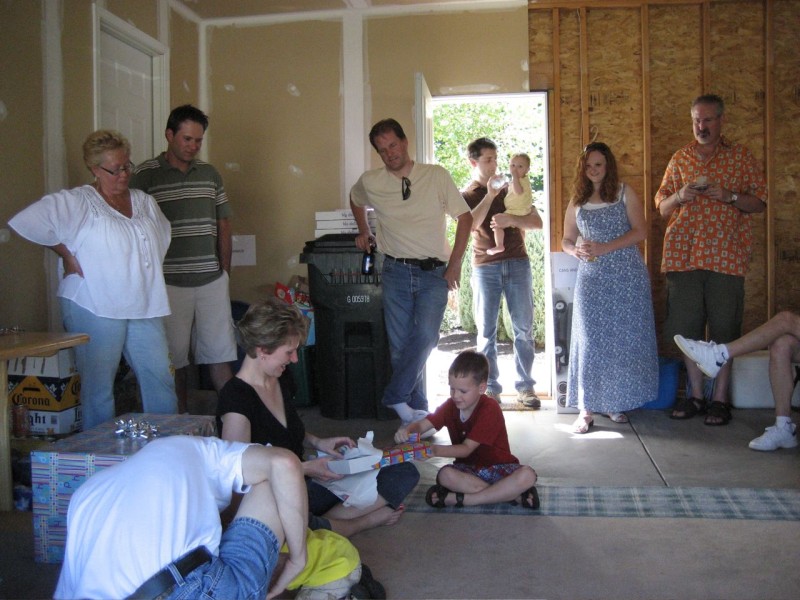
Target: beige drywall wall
22 301
458 53
143 15
77 48
184 59
276 124
276 113
276 108
22 170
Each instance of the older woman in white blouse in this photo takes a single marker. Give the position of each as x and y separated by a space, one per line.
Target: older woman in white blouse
112 241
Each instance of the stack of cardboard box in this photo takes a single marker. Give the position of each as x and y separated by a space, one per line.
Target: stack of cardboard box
50 388
340 221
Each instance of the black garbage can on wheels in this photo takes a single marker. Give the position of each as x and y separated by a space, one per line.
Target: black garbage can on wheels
352 362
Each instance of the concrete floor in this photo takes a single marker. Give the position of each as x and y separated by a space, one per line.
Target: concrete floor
510 556
487 556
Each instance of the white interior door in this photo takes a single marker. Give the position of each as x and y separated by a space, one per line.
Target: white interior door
126 93
423 119
131 84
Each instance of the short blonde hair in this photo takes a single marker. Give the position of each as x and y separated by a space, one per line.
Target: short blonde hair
523 156
269 324
101 141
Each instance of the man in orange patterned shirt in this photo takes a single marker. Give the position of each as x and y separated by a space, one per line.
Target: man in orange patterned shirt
709 189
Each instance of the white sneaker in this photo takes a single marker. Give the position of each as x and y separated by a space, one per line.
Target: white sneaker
418 416
776 437
706 355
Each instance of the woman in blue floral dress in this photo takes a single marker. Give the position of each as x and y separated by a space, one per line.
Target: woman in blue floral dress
613 360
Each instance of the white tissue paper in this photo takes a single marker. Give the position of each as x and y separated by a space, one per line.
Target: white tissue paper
360 466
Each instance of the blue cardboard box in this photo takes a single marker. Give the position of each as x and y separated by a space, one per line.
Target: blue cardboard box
668 369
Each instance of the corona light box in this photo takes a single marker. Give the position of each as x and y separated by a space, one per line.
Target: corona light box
50 388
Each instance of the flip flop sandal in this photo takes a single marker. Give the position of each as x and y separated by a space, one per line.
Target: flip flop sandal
530 498
441 494
718 410
689 407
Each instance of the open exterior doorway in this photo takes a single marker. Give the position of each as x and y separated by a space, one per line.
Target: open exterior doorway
517 123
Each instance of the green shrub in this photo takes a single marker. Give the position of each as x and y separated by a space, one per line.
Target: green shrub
514 125
462 315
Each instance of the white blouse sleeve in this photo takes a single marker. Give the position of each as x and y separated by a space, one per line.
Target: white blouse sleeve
53 220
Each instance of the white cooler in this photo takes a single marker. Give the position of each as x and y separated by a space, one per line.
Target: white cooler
750 382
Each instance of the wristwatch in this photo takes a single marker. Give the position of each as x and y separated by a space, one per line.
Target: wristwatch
734 198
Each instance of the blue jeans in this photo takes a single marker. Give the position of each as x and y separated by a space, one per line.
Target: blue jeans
248 554
413 306
510 278
144 345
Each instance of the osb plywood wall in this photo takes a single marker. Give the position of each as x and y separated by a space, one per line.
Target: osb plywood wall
625 73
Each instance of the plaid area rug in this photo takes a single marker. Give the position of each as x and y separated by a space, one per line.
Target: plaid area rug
643 502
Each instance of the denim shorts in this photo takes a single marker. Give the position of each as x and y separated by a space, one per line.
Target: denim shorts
248 553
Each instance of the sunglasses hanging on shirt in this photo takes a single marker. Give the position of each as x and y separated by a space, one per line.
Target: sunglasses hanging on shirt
406 188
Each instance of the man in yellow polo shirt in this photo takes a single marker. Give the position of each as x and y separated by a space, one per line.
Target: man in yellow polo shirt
411 201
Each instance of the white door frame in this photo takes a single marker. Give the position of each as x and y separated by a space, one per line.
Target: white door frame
423 113
423 119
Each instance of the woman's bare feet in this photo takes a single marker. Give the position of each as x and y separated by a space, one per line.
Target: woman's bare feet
618 417
385 516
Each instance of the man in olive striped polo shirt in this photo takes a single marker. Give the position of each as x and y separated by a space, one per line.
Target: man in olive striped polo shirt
191 195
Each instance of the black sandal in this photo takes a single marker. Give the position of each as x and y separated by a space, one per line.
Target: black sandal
689 407
718 410
441 494
530 498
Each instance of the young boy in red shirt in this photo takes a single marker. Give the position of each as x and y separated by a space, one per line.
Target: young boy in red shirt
484 471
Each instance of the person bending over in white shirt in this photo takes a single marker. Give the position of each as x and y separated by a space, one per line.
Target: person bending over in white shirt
150 526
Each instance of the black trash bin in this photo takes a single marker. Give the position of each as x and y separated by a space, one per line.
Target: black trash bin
352 363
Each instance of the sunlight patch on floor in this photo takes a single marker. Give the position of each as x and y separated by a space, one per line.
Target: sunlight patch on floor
592 434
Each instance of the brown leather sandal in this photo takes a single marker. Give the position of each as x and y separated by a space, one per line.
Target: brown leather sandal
689 407
441 493
719 411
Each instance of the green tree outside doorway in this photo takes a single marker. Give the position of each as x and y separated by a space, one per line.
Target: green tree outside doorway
516 124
